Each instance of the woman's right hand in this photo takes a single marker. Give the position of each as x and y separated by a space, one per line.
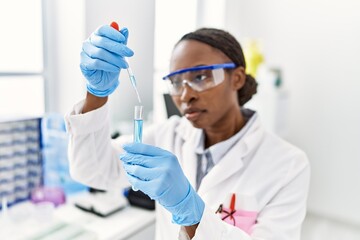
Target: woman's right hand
102 58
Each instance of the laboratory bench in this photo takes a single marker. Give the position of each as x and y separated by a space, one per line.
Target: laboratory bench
28 221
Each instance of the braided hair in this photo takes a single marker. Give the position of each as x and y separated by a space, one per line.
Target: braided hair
227 44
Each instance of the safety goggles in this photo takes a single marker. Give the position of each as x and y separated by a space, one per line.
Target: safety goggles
199 78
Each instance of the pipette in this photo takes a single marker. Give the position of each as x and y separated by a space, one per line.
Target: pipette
133 82
129 71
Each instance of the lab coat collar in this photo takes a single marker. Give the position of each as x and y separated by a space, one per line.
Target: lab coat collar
232 162
229 165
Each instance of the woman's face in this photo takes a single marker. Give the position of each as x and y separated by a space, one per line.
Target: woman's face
210 108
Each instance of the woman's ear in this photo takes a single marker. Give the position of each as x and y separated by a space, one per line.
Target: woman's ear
238 78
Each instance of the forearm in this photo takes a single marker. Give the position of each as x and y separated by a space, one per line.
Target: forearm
93 102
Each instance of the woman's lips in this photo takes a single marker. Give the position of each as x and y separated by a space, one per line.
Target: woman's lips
193 114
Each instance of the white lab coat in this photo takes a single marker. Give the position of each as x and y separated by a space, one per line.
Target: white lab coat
268 175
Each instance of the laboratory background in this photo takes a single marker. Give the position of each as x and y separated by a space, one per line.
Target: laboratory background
304 54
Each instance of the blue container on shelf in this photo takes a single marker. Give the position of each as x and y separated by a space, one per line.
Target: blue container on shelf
55 159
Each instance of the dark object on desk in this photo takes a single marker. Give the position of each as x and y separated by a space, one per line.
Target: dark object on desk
94 190
139 199
102 204
96 212
115 135
171 108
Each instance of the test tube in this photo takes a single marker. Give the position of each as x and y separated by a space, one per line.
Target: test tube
138 124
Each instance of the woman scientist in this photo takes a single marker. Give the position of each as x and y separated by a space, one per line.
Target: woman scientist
215 172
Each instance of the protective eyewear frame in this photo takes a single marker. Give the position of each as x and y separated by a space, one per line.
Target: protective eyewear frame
207 67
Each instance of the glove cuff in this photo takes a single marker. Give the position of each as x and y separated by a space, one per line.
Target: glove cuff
189 211
102 93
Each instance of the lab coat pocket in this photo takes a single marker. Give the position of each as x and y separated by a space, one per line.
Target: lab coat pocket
242 219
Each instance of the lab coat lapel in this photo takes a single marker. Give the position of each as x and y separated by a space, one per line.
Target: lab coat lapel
232 162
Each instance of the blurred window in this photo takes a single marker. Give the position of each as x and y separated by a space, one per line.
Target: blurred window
21 58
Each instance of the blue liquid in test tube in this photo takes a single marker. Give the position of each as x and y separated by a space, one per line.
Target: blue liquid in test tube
138 124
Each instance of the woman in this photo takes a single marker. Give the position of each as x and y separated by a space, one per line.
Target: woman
215 173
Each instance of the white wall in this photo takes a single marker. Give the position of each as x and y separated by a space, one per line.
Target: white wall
64 31
316 43
170 27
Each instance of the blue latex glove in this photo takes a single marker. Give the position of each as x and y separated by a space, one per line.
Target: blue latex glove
157 173
102 58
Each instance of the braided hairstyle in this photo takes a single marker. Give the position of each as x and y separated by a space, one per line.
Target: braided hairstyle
227 44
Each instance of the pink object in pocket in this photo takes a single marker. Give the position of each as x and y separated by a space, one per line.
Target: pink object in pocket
242 219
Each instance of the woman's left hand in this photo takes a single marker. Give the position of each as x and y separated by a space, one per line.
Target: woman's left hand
158 174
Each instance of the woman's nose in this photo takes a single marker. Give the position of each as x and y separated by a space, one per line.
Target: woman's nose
188 94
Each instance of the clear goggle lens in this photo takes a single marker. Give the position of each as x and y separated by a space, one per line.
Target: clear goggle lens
198 80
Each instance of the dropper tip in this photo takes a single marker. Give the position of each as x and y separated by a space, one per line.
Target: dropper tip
138 95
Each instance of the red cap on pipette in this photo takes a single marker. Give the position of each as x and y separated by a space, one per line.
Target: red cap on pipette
114 25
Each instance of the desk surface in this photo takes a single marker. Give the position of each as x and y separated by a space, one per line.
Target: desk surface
74 222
